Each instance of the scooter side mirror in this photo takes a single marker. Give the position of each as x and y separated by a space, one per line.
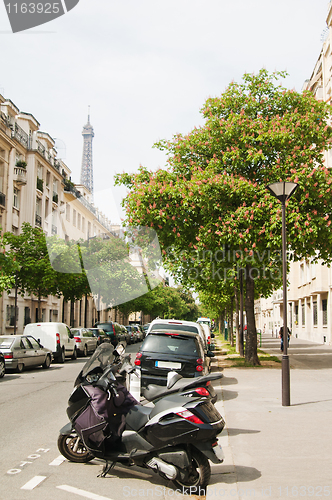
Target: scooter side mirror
172 378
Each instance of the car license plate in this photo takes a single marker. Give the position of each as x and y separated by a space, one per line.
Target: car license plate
168 364
219 452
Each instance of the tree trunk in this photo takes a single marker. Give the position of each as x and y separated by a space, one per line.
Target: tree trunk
251 343
231 322
237 323
241 342
39 309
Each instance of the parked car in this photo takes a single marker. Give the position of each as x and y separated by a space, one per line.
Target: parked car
146 327
24 351
209 336
165 350
124 335
112 330
132 333
140 333
100 335
175 324
86 342
54 336
2 365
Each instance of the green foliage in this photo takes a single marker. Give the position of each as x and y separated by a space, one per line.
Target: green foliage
210 208
165 302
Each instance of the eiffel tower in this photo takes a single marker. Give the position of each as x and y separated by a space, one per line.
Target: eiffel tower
86 169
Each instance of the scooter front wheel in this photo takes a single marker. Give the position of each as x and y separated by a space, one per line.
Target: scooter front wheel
194 479
72 447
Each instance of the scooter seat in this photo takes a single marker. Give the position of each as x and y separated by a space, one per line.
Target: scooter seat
137 417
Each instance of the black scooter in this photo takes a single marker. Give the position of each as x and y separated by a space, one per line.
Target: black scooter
176 438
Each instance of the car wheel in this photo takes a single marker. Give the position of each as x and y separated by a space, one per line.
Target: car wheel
74 356
47 362
20 367
2 368
62 356
71 447
85 351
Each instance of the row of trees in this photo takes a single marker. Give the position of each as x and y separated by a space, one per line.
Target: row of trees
214 217
34 264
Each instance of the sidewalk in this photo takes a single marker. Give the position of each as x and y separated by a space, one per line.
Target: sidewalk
273 451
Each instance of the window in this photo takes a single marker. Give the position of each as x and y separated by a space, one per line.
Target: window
38 206
83 224
48 176
16 201
314 313
40 171
324 309
10 317
89 230
302 274
47 203
68 212
303 314
27 318
74 217
79 221
296 314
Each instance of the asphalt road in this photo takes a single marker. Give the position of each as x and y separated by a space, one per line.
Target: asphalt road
32 410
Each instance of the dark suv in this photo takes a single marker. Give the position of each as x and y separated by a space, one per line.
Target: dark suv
113 331
163 351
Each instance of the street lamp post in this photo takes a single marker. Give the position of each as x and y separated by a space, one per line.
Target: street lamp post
283 191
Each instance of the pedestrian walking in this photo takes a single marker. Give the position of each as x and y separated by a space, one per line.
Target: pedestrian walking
281 336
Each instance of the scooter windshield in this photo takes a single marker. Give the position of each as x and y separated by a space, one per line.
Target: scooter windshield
101 358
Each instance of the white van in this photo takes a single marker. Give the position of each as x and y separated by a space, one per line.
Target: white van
54 336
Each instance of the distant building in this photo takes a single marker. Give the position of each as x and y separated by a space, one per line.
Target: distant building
35 187
309 295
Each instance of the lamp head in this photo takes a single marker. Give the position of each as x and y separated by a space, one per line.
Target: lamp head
282 190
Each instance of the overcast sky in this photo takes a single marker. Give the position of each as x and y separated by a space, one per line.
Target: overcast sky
146 67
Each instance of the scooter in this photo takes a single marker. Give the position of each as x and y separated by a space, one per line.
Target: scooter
176 437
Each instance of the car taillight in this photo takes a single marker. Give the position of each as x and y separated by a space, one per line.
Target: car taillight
57 335
190 416
114 330
77 339
209 339
137 360
8 356
199 361
202 391
199 368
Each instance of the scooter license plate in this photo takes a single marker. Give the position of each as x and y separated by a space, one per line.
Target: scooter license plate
168 364
219 452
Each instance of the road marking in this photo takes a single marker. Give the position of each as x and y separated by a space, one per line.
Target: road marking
82 493
58 460
30 485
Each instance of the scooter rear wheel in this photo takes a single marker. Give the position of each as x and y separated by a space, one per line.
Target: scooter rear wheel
71 447
194 480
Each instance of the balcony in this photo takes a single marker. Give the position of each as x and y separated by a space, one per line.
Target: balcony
20 175
70 191
38 221
21 136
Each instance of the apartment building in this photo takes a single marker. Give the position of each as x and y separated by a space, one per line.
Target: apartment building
309 299
35 187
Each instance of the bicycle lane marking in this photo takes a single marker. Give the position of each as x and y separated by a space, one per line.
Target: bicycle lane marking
82 493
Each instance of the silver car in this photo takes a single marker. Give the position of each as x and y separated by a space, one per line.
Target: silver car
24 351
86 342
